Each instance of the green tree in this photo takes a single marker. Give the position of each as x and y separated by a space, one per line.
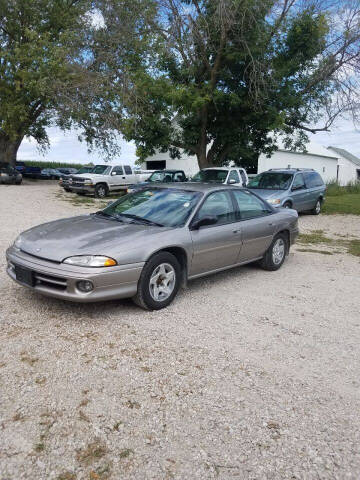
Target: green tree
47 74
220 79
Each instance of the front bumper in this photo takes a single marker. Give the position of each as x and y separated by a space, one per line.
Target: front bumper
81 189
60 280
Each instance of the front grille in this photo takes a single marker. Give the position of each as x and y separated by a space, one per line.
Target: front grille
57 283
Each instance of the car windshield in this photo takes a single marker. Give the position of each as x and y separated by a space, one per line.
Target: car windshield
160 177
162 207
101 170
271 181
210 176
84 170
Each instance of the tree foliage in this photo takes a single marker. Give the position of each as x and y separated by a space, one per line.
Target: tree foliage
220 79
47 73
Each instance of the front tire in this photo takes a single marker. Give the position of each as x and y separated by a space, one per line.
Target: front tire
159 282
276 253
101 191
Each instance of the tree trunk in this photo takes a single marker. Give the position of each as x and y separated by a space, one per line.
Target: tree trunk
9 148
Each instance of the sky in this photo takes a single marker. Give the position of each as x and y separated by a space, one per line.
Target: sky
65 147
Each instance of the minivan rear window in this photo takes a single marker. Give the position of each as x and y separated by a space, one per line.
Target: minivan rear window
313 179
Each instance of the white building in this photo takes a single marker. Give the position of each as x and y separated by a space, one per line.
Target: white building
331 163
348 166
162 161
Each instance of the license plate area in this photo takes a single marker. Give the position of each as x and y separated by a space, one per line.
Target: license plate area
24 275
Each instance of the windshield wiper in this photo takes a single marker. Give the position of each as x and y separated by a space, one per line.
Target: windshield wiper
107 215
140 219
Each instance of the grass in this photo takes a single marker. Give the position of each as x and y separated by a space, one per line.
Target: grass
317 237
94 451
343 200
348 203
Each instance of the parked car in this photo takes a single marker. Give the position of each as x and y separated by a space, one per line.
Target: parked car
67 170
32 172
50 173
103 179
228 175
148 243
299 188
9 174
160 176
20 166
64 179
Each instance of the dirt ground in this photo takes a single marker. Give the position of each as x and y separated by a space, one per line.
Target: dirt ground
248 374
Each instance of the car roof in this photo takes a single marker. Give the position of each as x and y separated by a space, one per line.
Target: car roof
197 186
289 170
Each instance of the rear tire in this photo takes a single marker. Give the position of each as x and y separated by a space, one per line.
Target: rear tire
317 208
161 276
276 253
101 191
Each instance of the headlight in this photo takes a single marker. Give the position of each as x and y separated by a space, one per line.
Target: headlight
17 243
130 190
88 182
91 261
274 201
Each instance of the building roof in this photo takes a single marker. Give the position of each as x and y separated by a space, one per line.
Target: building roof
346 154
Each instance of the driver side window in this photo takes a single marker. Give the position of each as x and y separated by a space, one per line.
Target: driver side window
218 204
118 171
233 175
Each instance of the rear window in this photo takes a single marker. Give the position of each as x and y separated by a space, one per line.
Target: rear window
313 179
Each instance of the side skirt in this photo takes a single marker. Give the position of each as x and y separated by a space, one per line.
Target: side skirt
204 274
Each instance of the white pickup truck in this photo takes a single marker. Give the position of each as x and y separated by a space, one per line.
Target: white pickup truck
104 179
230 175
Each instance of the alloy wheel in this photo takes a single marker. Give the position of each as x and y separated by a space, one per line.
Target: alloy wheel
162 282
278 251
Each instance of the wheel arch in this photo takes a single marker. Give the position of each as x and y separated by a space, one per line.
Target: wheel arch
181 256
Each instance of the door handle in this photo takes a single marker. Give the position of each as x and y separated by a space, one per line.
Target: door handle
271 224
124 178
236 231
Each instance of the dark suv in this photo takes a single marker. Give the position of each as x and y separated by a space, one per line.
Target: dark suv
299 188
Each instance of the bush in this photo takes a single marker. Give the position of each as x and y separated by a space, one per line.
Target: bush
333 189
34 163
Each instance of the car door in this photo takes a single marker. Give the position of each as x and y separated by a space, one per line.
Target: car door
256 225
215 246
115 179
299 194
130 176
315 188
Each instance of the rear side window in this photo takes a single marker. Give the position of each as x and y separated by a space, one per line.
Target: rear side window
249 205
127 169
313 179
243 177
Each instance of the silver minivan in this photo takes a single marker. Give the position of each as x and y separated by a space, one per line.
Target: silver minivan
299 188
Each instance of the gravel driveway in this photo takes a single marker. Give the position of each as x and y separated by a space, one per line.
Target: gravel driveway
248 374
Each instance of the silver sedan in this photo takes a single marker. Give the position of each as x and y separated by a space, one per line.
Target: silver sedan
147 244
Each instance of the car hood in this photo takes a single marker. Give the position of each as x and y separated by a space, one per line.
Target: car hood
83 235
267 194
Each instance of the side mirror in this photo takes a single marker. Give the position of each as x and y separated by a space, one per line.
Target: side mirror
208 220
232 181
298 187
113 173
